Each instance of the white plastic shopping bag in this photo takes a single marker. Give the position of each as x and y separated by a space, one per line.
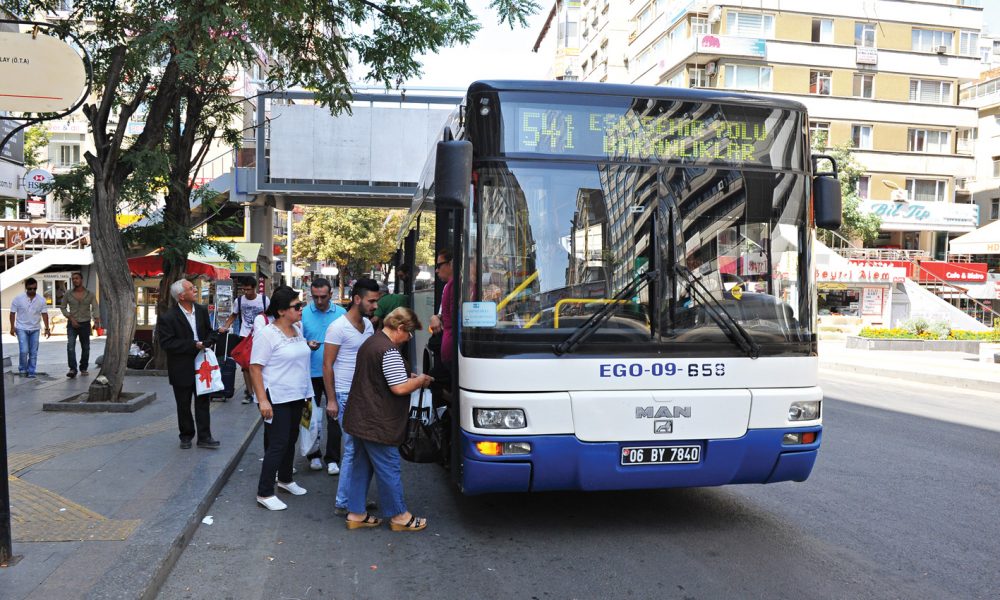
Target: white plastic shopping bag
207 375
427 415
310 427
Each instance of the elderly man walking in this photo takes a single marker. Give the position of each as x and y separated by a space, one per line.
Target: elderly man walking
79 307
182 333
26 310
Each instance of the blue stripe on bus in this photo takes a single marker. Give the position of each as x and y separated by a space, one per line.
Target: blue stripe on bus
563 462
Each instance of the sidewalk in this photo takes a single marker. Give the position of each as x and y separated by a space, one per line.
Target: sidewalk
953 369
103 504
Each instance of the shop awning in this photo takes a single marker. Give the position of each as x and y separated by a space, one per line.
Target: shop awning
152 266
248 253
985 240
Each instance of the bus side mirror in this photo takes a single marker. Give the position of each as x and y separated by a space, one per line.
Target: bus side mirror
827 200
452 174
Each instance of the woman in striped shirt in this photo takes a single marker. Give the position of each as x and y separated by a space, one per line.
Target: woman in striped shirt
376 415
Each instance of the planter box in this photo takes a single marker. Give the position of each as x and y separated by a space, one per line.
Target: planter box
78 403
967 346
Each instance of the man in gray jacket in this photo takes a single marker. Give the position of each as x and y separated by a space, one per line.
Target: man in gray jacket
79 307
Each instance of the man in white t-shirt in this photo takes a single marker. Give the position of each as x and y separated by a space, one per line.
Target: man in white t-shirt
246 308
26 311
343 338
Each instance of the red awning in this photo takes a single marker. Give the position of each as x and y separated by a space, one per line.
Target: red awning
152 266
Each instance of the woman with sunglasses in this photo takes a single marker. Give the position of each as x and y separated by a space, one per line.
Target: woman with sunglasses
279 371
376 415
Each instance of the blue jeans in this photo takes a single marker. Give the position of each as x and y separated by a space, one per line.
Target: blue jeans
343 486
27 344
382 461
72 333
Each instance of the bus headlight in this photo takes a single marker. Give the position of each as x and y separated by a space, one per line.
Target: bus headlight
499 418
804 410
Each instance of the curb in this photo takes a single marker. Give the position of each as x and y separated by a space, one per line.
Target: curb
983 385
181 541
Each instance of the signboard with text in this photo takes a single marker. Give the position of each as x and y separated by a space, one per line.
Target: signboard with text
732 46
924 216
41 73
859 274
872 301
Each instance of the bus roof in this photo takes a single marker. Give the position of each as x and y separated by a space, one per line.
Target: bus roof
643 91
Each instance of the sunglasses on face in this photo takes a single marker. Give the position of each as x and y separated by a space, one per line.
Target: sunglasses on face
441 264
30 289
299 305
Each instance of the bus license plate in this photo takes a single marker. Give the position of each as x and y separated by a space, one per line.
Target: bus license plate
660 455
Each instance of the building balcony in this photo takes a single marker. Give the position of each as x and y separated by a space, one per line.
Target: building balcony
923 165
836 108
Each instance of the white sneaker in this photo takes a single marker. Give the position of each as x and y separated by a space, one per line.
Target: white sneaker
271 503
332 469
292 488
316 464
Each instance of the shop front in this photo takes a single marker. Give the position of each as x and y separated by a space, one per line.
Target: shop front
858 291
147 272
923 226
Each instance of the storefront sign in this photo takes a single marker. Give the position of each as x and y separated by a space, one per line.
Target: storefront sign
14 150
862 274
14 233
924 216
238 268
41 73
10 180
902 264
866 55
949 271
36 206
37 182
731 46
872 299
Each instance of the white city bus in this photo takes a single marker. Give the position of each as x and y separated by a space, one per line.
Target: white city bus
636 301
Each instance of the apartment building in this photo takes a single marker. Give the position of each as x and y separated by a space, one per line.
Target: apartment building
880 75
983 186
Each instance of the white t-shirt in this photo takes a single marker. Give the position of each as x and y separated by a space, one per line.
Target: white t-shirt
250 309
342 333
28 311
285 364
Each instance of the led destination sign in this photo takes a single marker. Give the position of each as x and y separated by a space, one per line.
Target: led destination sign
745 137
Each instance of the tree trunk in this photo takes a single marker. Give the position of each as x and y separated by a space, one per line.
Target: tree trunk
165 302
117 293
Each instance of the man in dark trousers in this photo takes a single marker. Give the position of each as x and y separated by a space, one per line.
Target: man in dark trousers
182 333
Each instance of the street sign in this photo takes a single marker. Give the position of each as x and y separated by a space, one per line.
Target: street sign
37 182
279 266
41 73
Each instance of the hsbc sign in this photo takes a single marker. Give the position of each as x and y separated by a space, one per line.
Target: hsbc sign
37 182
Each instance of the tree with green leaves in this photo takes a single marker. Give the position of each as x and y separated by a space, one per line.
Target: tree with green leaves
36 137
149 56
858 224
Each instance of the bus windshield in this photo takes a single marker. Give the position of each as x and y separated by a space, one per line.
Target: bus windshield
552 242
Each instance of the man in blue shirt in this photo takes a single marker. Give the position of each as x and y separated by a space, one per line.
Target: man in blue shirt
316 318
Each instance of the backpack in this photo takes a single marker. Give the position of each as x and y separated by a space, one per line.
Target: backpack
241 352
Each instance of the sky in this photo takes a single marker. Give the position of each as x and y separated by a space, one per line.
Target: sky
500 53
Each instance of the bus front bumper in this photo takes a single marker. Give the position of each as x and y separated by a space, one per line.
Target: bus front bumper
563 462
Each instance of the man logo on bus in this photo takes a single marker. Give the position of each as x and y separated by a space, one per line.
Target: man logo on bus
663 412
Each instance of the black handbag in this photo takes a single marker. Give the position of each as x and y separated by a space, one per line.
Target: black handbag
423 442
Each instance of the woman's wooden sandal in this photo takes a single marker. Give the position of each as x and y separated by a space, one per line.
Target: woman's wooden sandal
414 524
370 520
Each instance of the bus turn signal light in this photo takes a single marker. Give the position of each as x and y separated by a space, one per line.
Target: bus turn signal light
490 448
809 437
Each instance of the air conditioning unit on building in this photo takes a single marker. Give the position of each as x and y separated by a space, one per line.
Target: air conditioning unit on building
941 49
715 14
711 68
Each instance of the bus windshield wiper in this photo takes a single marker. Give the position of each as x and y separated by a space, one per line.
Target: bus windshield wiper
594 322
730 326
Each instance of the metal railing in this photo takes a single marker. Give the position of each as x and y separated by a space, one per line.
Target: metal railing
31 246
855 253
836 242
955 295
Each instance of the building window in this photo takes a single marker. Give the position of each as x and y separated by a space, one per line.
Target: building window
822 31
863 187
700 26
929 140
661 46
996 167
747 77
861 137
864 34
820 82
926 190
697 76
930 40
929 91
677 79
968 44
864 85
995 209
746 24
645 18
64 155
966 141
819 129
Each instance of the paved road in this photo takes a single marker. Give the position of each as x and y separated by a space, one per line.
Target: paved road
899 506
